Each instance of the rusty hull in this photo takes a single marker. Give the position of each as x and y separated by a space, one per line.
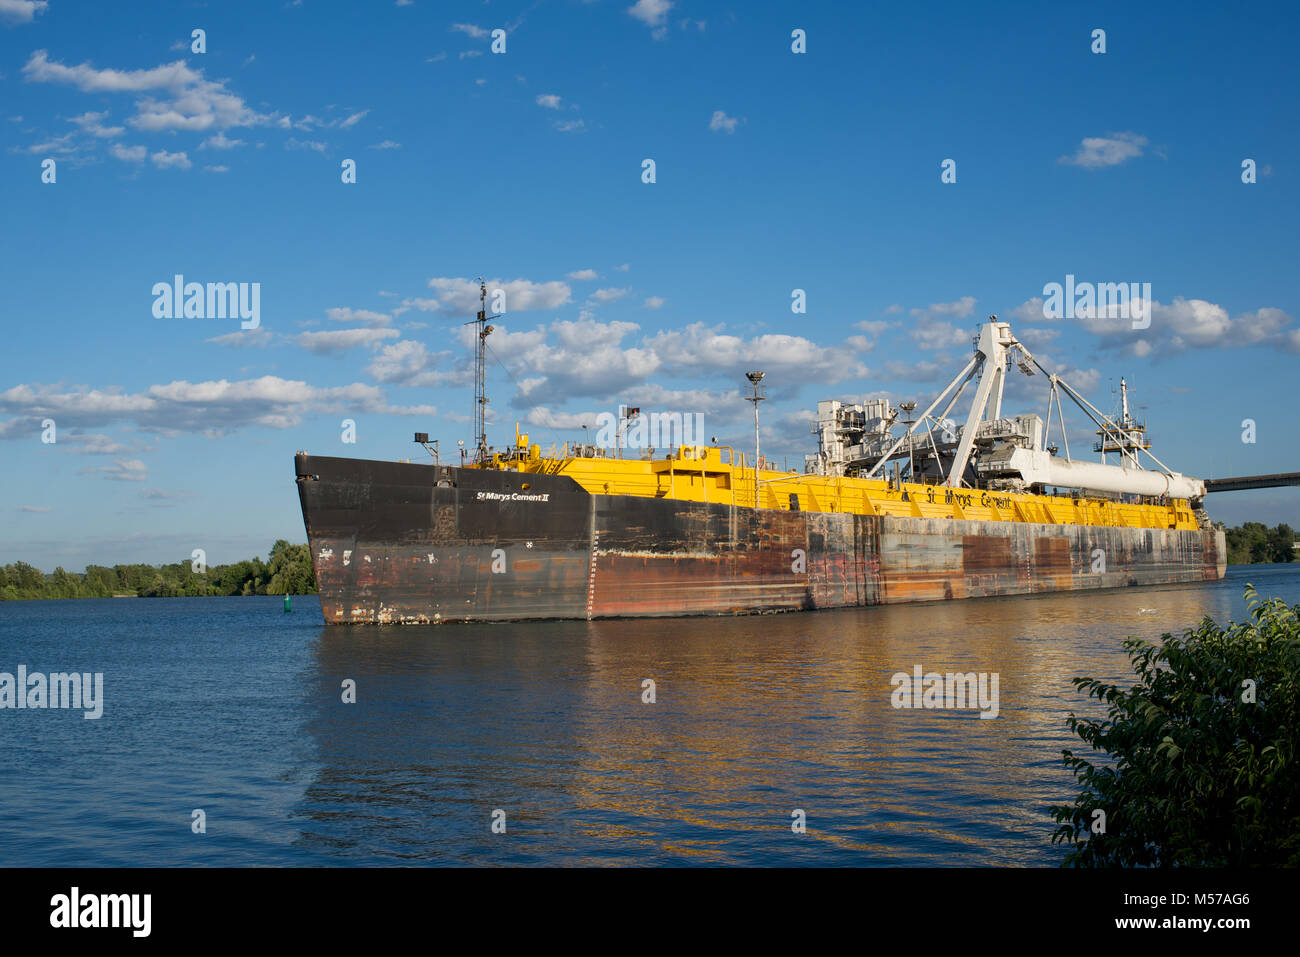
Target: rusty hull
409 543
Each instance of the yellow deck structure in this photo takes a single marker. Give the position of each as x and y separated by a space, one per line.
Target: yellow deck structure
720 475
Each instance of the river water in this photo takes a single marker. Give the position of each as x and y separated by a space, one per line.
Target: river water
232 707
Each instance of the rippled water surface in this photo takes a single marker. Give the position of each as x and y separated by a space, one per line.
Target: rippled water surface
232 706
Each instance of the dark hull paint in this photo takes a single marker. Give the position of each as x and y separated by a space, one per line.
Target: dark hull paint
399 542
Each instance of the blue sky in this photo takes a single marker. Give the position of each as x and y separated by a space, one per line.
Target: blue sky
775 171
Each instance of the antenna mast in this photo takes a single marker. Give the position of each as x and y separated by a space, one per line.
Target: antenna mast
755 397
483 330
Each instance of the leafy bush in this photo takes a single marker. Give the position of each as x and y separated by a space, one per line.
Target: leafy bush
1201 767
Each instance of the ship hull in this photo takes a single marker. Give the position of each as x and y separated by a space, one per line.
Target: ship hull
396 542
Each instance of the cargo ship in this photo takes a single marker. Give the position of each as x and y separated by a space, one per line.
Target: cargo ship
890 508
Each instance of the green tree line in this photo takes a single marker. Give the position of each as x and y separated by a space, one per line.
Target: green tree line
288 571
1254 543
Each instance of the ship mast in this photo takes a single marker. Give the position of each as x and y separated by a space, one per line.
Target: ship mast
483 330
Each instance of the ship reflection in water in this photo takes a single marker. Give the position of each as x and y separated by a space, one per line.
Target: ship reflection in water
754 718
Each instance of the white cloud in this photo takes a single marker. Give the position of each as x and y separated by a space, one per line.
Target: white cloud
914 371
721 121
87 443
370 318
929 330
216 169
385 145
469 29
654 302
295 144
651 12
570 126
351 121
211 408
220 142
341 340
243 339
609 295
174 96
1182 325
548 100
122 470
409 363
21 11
461 296
582 275
876 327
92 123
128 154
64 144
1037 338
1110 150
465 54
164 160
1031 310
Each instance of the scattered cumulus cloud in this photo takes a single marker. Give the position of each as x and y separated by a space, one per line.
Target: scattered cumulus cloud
722 122
122 470
1096 152
164 160
243 339
210 408
220 142
128 154
652 13
930 329
461 296
21 11
92 123
341 340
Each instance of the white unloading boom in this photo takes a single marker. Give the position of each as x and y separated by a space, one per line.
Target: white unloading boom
991 450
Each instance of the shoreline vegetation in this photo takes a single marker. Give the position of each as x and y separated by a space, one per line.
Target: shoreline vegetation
287 571
1253 543
1194 764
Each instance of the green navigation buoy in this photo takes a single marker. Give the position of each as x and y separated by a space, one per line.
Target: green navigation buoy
286 604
